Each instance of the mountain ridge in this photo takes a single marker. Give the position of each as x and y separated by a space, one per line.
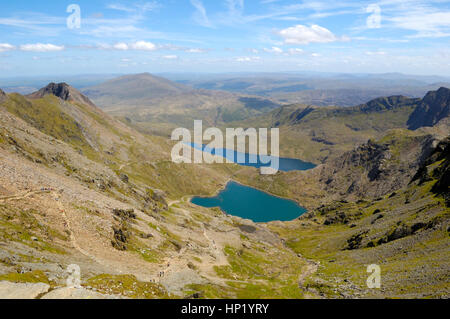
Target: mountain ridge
434 107
77 185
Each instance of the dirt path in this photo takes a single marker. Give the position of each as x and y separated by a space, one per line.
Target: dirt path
73 240
310 269
61 208
24 195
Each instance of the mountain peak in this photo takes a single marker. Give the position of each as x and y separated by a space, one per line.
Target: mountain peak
434 107
443 90
64 91
61 90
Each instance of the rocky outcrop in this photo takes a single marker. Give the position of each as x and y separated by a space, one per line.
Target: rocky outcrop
434 107
64 92
441 173
2 95
376 168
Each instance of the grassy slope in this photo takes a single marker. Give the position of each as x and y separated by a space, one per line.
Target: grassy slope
327 131
413 266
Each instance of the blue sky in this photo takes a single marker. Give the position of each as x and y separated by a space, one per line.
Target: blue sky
408 36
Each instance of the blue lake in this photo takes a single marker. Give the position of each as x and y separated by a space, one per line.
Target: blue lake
285 164
253 204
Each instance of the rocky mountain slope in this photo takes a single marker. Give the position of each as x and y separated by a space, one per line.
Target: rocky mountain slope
405 232
434 107
318 133
384 203
377 168
78 187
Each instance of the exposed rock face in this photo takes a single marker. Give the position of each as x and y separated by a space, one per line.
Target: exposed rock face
376 169
2 95
63 91
441 173
434 107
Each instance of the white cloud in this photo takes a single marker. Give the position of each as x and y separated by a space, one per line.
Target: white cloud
375 53
148 6
121 46
268 1
120 7
295 51
275 50
301 34
6 47
41 47
426 22
143 46
170 57
195 50
138 46
200 16
248 59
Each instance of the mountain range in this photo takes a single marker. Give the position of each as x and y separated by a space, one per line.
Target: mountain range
156 105
79 185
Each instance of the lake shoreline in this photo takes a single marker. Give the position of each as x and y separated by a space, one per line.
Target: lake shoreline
223 189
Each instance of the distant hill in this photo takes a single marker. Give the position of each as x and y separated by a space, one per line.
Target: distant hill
135 87
315 133
319 89
157 105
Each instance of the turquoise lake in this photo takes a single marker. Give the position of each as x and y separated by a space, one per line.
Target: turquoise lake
250 203
285 164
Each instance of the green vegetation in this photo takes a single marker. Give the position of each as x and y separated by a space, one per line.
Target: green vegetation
36 276
127 286
22 226
47 116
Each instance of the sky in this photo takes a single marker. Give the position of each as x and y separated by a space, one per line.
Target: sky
216 36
